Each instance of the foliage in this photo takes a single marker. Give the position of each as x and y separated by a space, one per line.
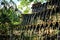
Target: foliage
24 5
8 16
